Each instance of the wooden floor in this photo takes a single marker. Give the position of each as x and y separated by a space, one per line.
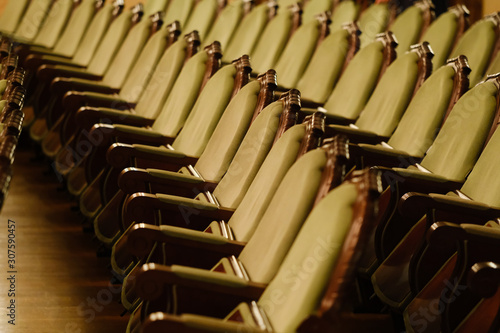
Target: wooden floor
60 284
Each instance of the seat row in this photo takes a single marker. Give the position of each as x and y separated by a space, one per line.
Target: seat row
227 206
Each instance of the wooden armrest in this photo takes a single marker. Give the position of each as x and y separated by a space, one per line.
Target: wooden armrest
372 155
133 180
86 117
417 203
408 181
129 134
152 278
48 73
329 118
182 212
120 154
163 322
64 85
201 250
354 135
33 61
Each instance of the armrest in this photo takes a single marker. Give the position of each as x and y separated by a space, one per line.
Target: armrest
33 61
48 73
193 248
355 135
133 180
409 180
329 118
120 154
45 51
418 203
180 211
152 278
377 155
96 99
86 117
126 133
62 85
190 323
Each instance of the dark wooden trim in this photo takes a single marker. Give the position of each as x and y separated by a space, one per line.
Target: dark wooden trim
243 71
389 52
214 52
291 107
315 129
174 31
424 63
118 6
336 299
460 81
268 85
428 14
354 43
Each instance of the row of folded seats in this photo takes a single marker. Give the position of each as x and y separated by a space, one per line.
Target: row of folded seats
13 93
280 166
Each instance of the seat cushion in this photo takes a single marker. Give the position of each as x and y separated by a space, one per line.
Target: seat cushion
391 96
110 44
345 12
12 14
75 29
372 22
271 43
227 136
422 119
162 80
407 28
182 97
322 72
127 54
477 44
307 267
356 83
206 113
284 217
58 17
249 157
247 34
140 73
297 53
256 200
459 142
483 182
441 35
202 17
225 24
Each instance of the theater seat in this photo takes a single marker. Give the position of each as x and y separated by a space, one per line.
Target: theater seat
172 114
200 123
409 25
274 38
226 23
130 87
249 31
477 44
195 177
202 17
346 11
422 119
444 33
12 14
486 197
391 96
373 21
331 57
249 197
300 295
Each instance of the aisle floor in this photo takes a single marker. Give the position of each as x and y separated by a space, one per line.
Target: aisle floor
60 284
